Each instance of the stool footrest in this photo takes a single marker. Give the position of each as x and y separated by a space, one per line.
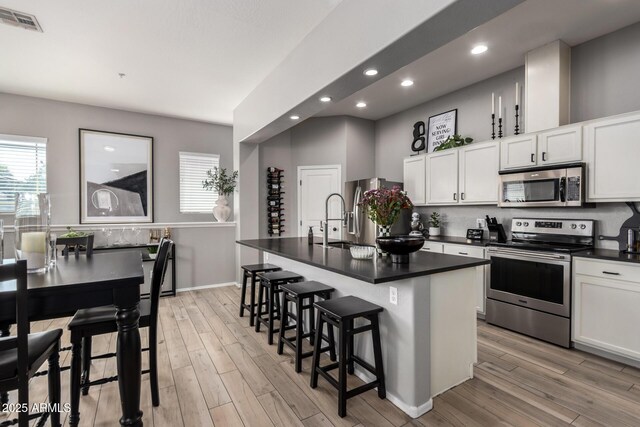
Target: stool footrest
361 389
328 377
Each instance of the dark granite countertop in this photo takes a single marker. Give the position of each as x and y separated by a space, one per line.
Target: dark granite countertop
608 255
458 240
380 270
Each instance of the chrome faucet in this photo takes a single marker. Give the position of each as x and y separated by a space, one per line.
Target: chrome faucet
324 225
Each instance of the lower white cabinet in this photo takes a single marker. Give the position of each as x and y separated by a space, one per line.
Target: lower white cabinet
433 247
606 301
472 252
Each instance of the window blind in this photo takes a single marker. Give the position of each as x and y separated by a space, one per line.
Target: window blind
193 170
23 168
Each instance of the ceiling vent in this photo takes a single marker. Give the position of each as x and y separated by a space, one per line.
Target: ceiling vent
19 19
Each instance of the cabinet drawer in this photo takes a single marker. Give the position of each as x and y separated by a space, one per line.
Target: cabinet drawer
607 269
464 250
433 247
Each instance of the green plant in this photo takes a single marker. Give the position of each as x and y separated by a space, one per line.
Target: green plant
452 142
383 205
71 233
221 182
434 219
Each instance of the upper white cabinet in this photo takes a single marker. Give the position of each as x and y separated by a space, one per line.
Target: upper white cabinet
478 173
612 153
414 170
561 145
442 177
518 151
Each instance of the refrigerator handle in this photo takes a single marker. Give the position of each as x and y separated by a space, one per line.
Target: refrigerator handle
356 212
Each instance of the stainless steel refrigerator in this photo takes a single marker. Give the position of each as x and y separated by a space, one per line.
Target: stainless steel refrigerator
360 228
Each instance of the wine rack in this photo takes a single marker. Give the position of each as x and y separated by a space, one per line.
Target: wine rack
275 204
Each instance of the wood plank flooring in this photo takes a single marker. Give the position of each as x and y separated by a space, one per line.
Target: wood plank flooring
216 371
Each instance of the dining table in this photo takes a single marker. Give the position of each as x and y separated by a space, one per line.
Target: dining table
77 282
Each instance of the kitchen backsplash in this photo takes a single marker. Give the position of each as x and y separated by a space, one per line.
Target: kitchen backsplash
457 219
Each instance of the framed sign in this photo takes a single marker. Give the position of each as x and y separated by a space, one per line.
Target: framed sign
116 177
441 127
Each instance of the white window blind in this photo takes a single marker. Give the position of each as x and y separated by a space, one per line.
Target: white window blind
193 170
23 168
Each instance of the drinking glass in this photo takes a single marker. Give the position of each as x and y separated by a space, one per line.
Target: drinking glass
53 238
106 232
136 234
1 240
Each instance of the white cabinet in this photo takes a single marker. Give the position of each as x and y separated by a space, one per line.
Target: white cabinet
436 247
473 252
442 177
478 173
415 179
612 153
606 297
561 145
518 151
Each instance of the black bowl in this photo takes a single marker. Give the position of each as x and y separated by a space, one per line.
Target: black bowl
400 246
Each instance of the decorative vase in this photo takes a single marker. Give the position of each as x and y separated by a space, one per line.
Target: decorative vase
32 225
222 211
383 231
434 231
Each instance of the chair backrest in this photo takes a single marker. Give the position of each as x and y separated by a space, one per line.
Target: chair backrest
157 275
18 271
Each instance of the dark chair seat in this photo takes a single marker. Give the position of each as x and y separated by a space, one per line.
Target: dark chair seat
258 268
348 307
304 289
94 317
277 277
40 346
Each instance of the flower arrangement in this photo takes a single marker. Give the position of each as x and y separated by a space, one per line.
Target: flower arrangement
383 205
221 182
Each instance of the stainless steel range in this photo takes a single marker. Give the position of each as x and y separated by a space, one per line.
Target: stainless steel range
529 286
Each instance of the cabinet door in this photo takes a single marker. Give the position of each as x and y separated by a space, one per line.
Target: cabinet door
478 177
606 315
415 179
442 178
473 252
518 151
433 247
560 145
612 153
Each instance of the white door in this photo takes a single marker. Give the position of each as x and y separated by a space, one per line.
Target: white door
518 151
415 179
315 183
442 178
562 145
479 165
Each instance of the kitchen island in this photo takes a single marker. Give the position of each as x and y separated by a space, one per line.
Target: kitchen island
428 334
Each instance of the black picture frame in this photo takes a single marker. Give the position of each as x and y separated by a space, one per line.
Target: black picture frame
115 177
445 118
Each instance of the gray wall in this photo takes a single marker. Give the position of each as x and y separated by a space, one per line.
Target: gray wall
60 121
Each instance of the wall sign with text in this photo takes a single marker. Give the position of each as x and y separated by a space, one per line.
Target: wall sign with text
441 127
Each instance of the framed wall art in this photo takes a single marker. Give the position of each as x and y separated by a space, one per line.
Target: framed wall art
440 127
116 177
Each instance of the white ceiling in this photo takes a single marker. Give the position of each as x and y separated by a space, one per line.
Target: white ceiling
508 36
193 59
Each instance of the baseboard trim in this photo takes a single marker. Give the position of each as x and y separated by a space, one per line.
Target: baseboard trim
215 285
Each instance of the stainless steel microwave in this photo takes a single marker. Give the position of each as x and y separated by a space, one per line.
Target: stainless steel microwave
558 186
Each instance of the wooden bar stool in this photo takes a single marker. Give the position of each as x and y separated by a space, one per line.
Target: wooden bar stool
341 313
271 282
297 293
251 271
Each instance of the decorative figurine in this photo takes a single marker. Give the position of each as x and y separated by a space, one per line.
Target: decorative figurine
416 225
418 137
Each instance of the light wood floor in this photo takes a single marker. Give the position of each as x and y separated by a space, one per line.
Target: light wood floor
216 371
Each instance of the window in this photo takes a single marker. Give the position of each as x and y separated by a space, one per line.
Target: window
23 168
193 170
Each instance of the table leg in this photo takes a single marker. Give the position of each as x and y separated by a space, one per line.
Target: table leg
4 332
129 365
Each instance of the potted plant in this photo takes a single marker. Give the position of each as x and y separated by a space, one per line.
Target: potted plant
434 224
453 141
224 185
383 207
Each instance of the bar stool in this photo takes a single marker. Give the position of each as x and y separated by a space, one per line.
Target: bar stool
297 293
251 271
341 313
272 281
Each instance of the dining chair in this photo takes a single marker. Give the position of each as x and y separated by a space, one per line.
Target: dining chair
21 356
87 323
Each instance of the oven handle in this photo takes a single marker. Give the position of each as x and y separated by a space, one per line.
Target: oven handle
525 255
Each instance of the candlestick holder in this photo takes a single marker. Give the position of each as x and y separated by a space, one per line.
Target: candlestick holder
500 127
493 126
517 119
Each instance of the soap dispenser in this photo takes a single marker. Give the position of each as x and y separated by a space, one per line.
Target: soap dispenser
310 235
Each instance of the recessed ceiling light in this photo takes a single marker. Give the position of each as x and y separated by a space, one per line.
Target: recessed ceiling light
109 148
115 170
370 72
294 117
407 83
325 99
481 48
361 104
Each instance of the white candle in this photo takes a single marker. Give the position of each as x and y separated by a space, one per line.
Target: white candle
499 107
517 94
33 246
493 103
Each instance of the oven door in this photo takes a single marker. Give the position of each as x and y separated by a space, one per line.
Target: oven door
533 188
537 280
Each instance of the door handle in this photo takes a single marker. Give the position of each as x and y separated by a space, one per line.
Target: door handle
533 158
544 156
613 273
455 196
462 196
463 253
